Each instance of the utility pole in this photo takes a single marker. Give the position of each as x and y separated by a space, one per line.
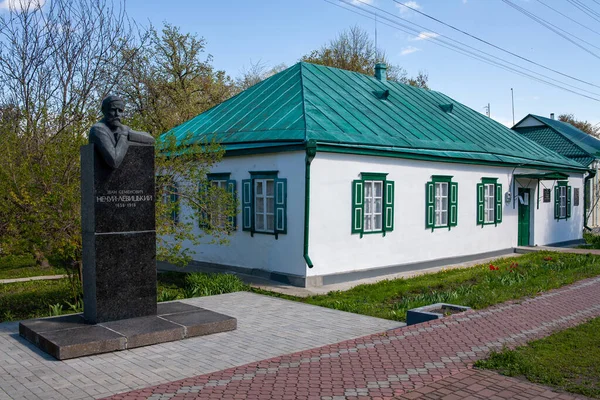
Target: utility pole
487 110
512 95
375 32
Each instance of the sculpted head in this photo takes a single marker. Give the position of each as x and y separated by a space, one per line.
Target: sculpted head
112 108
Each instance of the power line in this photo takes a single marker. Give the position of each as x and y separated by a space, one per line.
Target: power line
554 29
478 56
466 52
566 16
583 10
583 7
495 46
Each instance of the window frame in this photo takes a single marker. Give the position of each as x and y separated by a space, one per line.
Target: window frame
431 203
279 203
359 201
482 202
560 188
230 185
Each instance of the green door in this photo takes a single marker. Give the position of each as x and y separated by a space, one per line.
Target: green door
524 201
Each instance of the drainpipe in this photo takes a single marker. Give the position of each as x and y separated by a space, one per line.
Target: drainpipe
311 151
590 174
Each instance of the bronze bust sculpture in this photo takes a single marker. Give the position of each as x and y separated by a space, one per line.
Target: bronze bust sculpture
111 138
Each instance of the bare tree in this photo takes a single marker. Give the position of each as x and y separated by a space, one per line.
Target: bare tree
255 73
57 61
353 50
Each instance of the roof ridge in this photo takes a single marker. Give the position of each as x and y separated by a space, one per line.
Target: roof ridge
303 101
560 133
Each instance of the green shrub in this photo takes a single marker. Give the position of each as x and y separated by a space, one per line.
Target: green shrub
592 240
14 261
200 284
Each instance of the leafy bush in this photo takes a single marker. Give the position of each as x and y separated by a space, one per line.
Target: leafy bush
200 284
592 240
14 261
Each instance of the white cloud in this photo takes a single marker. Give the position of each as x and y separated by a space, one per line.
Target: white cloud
361 2
425 36
408 50
411 4
19 5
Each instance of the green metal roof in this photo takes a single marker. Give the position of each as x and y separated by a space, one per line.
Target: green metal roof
340 108
562 138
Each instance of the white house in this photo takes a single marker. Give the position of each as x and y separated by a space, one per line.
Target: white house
342 176
568 141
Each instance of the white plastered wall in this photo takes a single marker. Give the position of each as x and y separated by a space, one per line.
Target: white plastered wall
546 229
262 251
333 249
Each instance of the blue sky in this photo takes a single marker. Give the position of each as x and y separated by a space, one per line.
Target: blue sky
281 31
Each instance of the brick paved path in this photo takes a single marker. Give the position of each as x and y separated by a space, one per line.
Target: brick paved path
395 362
480 384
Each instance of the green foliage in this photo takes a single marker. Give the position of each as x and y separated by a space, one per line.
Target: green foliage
477 287
592 240
567 360
33 299
200 284
353 50
24 266
55 309
16 261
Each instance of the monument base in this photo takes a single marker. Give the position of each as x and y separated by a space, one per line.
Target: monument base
69 336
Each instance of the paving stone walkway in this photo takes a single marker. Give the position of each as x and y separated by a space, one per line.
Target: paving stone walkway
398 362
267 327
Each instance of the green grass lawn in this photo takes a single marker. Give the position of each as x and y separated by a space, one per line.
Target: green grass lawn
35 299
567 360
12 267
476 287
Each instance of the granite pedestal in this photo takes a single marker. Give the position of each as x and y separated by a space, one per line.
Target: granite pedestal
69 336
119 237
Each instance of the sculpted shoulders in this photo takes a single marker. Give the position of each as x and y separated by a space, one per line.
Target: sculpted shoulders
99 128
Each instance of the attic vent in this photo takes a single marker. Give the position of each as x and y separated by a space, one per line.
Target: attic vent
447 107
382 94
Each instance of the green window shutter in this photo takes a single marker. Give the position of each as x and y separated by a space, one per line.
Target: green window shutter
453 204
247 203
280 205
429 205
358 203
568 201
556 202
388 206
498 203
480 205
232 188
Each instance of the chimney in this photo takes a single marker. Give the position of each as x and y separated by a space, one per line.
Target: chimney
380 71
551 115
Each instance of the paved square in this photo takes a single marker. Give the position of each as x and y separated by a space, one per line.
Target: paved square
267 327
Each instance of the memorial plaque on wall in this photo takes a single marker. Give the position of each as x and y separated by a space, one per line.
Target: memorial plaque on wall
576 197
547 193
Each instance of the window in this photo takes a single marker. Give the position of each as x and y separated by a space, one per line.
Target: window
264 203
489 202
218 219
372 204
441 197
562 200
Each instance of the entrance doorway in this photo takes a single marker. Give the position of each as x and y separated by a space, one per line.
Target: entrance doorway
524 214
